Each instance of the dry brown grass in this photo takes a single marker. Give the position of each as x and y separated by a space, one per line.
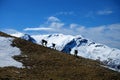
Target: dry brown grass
4 34
43 63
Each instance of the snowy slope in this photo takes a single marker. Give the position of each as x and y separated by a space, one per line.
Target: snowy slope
17 34
6 53
85 47
59 39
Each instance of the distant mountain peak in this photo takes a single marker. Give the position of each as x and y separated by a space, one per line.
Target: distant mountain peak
28 38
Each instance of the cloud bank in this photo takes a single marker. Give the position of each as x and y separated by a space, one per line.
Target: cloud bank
106 34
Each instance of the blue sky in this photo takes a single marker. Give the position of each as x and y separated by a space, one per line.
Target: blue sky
98 20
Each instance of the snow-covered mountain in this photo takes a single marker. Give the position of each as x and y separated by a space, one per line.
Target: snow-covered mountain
28 38
85 47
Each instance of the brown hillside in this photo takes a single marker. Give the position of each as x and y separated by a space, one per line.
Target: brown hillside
41 63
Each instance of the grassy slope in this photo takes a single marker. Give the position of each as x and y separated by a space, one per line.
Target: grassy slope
43 63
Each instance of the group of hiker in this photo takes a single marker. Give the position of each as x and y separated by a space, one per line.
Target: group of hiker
44 43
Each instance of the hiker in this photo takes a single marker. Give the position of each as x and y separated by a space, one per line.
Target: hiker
53 45
44 42
69 50
75 53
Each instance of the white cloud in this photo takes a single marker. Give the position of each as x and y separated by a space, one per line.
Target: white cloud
115 27
65 13
56 25
38 29
93 14
52 24
72 26
53 19
104 12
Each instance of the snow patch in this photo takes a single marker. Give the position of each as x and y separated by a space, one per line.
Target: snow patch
7 52
110 68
